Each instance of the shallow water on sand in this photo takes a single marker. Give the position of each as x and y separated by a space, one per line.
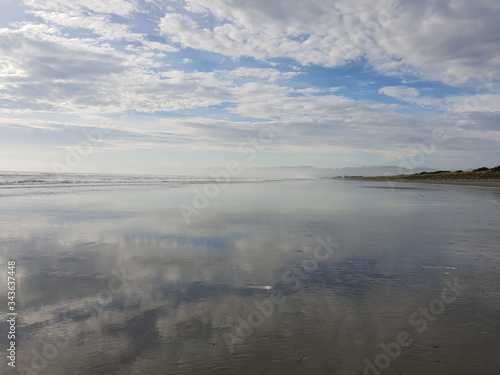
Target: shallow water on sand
292 277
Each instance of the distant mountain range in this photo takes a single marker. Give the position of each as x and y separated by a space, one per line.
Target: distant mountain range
312 172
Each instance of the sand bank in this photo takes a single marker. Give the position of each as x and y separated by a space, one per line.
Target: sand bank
488 183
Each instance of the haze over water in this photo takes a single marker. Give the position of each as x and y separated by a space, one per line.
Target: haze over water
113 277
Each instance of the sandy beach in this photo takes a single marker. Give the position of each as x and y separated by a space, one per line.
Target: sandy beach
489 183
486 183
266 278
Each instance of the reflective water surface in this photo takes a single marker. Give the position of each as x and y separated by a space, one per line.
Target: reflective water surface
286 277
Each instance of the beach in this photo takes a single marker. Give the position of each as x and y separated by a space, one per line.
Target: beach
284 277
486 177
249 187
486 183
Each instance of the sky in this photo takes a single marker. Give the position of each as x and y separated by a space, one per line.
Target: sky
183 86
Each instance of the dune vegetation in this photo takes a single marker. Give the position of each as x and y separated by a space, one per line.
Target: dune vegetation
479 174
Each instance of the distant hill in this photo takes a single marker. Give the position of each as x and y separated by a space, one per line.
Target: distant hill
312 172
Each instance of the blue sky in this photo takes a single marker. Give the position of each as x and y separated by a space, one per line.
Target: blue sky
145 86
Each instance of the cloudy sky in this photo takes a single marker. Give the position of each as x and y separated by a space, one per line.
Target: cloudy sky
150 86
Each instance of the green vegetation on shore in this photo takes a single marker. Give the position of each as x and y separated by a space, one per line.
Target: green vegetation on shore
481 174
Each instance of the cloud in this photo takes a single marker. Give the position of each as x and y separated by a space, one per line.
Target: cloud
485 103
52 73
270 74
95 58
98 24
122 8
449 41
42 70
410 95
75 15
327 123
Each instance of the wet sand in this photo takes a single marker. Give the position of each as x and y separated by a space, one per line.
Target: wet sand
291 277
495 183
489 183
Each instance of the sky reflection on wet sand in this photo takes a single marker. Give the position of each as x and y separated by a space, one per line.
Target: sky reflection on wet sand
119 283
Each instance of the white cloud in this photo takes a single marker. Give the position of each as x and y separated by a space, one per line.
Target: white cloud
486 103
158 46
51 69
483 101
324 123
81 58
102 26
450 41
76 15
410 95
98 24
122 8
271 75
43 69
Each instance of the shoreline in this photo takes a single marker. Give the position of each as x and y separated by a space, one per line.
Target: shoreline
479 182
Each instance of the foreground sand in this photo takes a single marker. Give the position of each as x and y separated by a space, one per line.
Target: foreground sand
127 286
